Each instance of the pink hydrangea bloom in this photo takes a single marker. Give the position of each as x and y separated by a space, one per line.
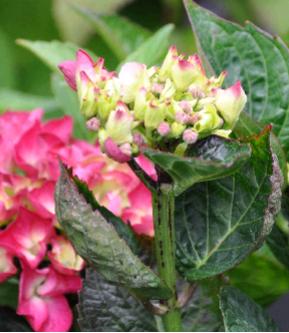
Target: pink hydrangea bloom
29 170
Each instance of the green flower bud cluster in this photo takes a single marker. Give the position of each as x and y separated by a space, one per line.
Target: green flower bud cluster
167 107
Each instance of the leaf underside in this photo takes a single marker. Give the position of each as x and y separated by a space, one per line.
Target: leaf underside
98 242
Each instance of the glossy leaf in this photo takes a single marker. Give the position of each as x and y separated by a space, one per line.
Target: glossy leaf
153 50
218 223
211 158
120 34
98 242
104 307
256 276
241 314
250 54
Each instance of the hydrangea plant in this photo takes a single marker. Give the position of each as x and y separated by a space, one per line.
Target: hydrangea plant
215 196
184 184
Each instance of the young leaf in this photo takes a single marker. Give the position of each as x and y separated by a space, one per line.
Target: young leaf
241 314
211 158
104 307
219 223
250 54
98 242
51 53
120 34
153 50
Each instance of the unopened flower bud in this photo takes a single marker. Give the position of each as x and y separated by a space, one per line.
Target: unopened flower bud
164 129
230 102
138 139
93 124
140 104
190 136
114 152
186 72
168 62
177 129
209 120
119 125
154 115
132 76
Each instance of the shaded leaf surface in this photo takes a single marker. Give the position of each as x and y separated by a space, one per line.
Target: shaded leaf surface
98 243
10 322
218 223
241 314
252 55
104 307
211 158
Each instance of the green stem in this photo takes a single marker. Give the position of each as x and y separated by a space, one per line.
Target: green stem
163 211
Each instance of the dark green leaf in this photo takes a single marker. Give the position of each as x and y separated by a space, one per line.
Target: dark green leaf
123 229
255 57
279 244
201 313
98 243
153 50
218 223
68 102
10 322
241 314
121 35
104 307
9 293
257 275
211 158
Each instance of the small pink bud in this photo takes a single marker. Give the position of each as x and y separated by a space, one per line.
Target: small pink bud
164 129
186 106
182 117
93 124
157 88
196 92
138 139
194 118
113 151
190 136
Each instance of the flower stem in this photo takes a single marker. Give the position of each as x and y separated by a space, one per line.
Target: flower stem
163 211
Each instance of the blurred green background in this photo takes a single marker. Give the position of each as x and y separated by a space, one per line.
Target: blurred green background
56 19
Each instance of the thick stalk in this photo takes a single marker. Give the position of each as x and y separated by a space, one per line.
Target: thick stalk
163 211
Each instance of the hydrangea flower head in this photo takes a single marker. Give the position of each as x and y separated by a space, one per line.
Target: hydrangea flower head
164 107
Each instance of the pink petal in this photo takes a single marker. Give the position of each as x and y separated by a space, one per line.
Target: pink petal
62 128
68 68
27 236
113 151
